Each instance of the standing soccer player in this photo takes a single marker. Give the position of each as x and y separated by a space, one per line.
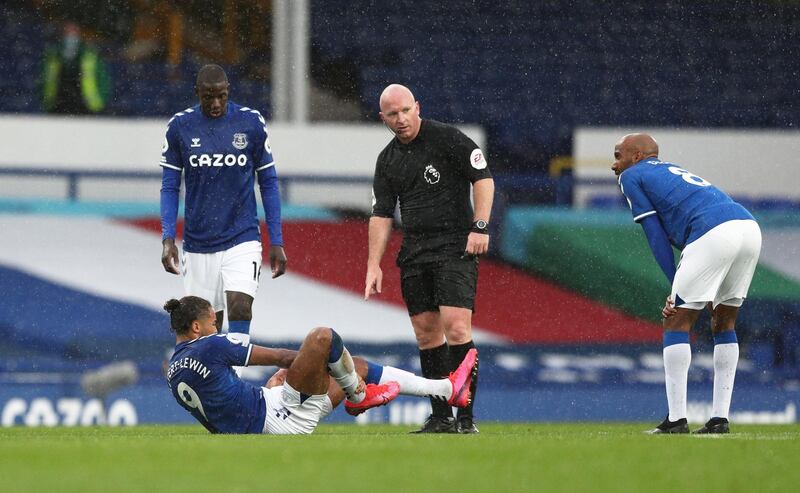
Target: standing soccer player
428 167
220 147
720 243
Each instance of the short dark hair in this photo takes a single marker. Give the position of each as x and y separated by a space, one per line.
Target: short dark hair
185 311
210 74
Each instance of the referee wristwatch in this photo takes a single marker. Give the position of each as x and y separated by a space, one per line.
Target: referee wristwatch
480 226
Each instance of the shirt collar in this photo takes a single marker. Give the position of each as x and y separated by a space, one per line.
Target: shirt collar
649 160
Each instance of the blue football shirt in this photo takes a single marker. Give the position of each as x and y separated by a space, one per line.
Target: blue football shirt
219 158
202 380
687 205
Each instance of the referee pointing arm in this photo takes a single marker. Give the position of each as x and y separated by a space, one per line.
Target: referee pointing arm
428 167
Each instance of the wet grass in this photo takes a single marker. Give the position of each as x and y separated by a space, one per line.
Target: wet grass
503 458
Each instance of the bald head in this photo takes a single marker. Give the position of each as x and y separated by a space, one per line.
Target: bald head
642 143
395 93
631 149
400 112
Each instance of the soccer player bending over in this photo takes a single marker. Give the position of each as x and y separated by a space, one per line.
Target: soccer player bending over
720 243
317 377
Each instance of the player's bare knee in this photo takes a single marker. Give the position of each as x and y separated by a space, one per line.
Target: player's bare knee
320 337
682 321
678 324
722 324
240 305
724 318
240 310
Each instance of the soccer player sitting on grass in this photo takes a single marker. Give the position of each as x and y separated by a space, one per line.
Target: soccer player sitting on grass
315 380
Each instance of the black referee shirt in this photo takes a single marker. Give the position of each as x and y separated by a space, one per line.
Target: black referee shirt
431 177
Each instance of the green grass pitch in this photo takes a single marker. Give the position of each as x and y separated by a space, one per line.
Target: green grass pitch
503 458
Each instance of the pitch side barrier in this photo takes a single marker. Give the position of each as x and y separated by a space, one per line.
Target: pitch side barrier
599 193
73 178
523 188
328 190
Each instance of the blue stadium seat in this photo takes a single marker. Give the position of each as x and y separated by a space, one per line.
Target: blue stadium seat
528 71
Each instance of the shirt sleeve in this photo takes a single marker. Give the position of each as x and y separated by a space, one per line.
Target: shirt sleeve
231 350
641 207
384 199
262 152
267 178
659 244
170 190
271 199
171 149
469 158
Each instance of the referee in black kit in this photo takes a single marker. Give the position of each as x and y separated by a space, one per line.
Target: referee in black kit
429 167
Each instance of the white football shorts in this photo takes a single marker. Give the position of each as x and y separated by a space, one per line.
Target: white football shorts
718 266
287 414
209 275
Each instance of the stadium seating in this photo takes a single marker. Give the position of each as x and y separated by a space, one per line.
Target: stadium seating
138 89
532 71
22 51
528 71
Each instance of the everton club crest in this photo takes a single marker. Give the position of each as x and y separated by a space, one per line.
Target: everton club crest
240 141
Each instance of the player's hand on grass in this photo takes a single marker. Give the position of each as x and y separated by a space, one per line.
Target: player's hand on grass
277 260
374 281
477 244
169 256
669 308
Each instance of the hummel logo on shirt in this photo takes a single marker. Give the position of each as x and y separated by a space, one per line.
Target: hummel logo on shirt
196 142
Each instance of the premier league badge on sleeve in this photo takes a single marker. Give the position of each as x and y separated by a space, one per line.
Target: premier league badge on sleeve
240 141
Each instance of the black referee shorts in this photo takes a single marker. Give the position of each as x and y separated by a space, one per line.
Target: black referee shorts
451 282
